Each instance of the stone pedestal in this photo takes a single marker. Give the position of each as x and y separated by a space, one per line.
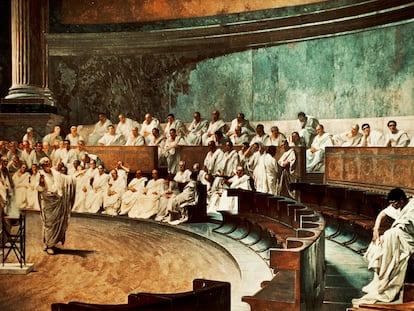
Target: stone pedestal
29 105
13 125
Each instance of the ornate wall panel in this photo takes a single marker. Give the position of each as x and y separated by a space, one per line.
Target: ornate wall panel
372 168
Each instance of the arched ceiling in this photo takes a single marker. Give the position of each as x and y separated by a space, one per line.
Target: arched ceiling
138 11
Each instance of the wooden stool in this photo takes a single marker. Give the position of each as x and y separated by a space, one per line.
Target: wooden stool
14 238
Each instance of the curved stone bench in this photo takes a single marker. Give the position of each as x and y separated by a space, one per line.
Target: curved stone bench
290 238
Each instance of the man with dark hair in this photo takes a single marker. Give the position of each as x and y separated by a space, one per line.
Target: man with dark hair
307 127
370 137
396 137
388 254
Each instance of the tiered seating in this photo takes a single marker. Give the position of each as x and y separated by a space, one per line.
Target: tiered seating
350 213
206 295
290 237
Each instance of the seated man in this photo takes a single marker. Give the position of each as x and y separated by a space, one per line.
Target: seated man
196 129
396 137
53 138
238 138
111 138
388 254
148 204
147 125
99 182
370 137
295 140
125 126
216 124
174 123
177 205
348 139
112 196
276 138
134 138
219 201
183 174
243 123
99 129
315 155
135 190
74 136
260 137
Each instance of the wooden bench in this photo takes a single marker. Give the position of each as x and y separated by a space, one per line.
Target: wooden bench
155 304
297 284
350 213
206 295
290 237
145 158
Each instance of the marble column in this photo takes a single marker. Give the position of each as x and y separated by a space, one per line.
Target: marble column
29 91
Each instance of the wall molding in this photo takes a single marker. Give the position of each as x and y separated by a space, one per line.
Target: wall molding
238 36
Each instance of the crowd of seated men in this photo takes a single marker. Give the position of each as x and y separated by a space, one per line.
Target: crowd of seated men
309 134
113 191
105 189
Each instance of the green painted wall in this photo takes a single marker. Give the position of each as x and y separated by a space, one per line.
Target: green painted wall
365 74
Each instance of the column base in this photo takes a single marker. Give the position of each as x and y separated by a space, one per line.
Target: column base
13 125
27 105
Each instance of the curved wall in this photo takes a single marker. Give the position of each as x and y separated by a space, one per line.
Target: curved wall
133 11
332 62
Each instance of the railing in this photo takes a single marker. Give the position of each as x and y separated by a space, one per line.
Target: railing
290 238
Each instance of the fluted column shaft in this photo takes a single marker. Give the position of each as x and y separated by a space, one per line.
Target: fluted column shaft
29 19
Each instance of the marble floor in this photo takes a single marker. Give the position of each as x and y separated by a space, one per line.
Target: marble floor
346 272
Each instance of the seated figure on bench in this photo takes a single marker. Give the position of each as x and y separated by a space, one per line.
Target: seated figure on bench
349 138
135 189
111 138
396 137
99 129
219 200
148 204
115 188
183 175
315 155
147 126
388 254
177 205
371 137
197 128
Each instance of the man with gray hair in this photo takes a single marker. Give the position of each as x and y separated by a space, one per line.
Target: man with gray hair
57 192
349 138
